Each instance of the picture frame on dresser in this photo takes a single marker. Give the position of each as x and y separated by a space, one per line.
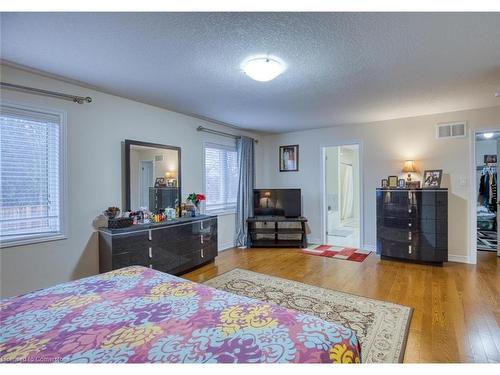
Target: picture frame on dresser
392 181
432 178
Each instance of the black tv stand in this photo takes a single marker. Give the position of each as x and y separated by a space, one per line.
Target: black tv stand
261 234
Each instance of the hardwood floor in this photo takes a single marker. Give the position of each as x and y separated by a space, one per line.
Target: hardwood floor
456 315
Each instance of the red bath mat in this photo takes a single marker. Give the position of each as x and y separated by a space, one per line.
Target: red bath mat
337 252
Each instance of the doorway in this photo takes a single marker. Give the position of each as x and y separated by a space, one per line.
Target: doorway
487 149
342 192
145 181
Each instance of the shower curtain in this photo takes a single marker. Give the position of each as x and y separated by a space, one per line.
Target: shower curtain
347 187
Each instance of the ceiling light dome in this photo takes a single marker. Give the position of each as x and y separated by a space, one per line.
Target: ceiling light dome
488 135
263 69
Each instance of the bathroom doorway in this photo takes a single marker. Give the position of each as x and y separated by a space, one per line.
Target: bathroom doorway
342 192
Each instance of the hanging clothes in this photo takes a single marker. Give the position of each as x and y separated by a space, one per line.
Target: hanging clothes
488 188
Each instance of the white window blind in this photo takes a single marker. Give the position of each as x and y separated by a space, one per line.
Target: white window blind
31 186
221 177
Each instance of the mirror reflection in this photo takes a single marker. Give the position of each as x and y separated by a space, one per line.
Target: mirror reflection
153 177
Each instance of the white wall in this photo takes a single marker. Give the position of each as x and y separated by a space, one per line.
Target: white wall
332 177
385 146
485 147
95 135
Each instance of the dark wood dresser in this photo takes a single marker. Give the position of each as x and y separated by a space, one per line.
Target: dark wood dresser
413 224
173 246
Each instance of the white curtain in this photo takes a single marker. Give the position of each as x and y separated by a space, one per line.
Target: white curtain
347 187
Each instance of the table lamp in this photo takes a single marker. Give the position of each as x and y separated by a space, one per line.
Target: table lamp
409 167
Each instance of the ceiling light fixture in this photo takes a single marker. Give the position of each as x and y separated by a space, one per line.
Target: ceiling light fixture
488 135
263 69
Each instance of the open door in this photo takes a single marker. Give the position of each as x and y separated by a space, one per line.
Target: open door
342 195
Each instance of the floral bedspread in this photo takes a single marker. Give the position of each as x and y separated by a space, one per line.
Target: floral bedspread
136 314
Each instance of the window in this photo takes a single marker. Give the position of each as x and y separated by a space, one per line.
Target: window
221 177
31 175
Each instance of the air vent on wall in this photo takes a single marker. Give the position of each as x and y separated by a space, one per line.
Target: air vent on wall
451 130
158 157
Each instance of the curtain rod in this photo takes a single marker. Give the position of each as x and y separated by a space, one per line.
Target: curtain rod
211 131
31 90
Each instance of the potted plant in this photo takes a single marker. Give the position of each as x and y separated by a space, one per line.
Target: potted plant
195 199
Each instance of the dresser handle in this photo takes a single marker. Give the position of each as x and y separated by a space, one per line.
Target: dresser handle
202 253
150 235
409 211
409 236
409 249
409 224
201 225
201 238
150 266
150 252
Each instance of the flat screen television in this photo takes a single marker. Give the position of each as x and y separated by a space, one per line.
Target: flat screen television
277 202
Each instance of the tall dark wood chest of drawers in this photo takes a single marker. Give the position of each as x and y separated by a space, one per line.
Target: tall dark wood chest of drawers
173 247
413 224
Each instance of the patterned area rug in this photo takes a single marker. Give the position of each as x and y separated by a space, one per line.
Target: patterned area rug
487 240
381 327
337 252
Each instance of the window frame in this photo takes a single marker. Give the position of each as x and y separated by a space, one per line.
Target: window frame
21 240
222 211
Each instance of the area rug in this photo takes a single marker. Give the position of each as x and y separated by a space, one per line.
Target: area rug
381 327
337 252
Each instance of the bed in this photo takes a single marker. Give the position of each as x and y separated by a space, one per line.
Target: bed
140 315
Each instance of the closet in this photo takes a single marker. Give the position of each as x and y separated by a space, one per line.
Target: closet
486 183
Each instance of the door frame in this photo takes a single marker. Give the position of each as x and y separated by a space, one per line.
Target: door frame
140 177
324 209
473 195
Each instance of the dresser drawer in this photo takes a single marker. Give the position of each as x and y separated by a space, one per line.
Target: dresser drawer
398 223
398 211
131 242
135 258
396 249
433 240
433 226
434 198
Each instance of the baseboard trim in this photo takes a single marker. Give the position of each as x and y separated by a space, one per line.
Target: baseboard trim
226 246
367 247
458 258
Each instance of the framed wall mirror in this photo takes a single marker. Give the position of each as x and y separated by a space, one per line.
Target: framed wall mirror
152 176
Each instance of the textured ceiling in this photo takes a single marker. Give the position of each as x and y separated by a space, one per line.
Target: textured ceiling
342 68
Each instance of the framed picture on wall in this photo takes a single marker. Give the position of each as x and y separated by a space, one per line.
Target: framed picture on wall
289 158
490 159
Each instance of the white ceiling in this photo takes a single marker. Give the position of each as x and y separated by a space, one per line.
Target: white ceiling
343 68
